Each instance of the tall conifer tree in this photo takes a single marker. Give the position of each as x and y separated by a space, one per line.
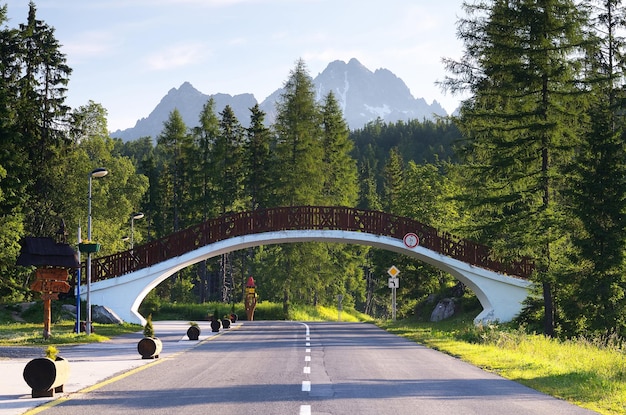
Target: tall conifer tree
227 163
299 142
14 159
597 303
521 123
258 161
298 176
393 182
174 145
203 188
205 136
41 117
340 184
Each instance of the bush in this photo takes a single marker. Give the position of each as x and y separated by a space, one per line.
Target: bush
151 304
52 352
34 313
266 310
148 329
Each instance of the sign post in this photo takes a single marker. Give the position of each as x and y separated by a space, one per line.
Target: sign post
394 282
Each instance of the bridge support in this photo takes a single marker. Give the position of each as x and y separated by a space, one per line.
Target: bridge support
500 295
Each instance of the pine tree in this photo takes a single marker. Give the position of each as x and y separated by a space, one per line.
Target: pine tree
369 198
340 185
14 159
205 137
174 146
202 187
258 161
298 176
13 152
227 162
227 177
393 182
299 152
596 303
40 118
521 123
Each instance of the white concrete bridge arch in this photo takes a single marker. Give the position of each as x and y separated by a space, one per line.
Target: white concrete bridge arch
501 296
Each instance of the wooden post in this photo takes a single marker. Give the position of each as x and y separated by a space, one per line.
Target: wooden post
47 316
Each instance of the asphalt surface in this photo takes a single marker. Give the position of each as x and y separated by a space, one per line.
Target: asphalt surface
90 364
272 368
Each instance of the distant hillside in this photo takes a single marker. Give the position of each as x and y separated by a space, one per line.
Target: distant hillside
363 95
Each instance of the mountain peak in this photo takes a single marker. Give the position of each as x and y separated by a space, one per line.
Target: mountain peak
354 63
185 89
362 95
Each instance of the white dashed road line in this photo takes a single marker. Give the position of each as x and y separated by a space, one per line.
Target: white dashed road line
306 384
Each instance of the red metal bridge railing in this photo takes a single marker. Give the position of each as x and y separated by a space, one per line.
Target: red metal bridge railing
301 218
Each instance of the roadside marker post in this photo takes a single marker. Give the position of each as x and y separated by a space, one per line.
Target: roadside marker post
394 283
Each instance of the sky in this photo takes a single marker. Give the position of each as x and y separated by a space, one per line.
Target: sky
127 54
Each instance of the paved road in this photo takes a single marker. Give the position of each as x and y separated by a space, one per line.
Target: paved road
90 364
287 368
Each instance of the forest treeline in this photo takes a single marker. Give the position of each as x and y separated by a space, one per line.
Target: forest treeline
533 165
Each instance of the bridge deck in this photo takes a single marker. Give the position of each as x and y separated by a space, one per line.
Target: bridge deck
302 218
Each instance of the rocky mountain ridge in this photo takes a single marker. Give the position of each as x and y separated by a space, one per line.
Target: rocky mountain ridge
362 94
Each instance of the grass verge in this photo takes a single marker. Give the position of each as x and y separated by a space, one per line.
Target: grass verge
31 334
584 372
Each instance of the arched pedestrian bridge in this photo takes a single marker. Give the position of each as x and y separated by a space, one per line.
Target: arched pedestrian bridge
122 280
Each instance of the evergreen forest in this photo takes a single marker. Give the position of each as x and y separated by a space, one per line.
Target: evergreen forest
534 165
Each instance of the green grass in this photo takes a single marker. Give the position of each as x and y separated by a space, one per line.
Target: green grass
580 371
200 312
31 334
321 313
265 310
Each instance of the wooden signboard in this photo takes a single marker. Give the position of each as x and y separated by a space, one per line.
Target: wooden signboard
50 282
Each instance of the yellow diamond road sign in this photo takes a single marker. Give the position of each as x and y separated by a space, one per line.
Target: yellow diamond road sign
393 271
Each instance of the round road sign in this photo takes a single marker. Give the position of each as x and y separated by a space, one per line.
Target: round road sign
411 240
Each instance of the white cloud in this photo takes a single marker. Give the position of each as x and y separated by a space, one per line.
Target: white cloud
177 56
90 44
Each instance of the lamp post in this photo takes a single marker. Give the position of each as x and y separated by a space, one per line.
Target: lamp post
97 173
133 218
77 328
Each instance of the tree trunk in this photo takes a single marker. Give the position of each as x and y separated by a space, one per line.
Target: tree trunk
548 309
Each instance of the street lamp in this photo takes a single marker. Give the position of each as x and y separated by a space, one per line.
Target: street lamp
97 173
133 218
77 328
